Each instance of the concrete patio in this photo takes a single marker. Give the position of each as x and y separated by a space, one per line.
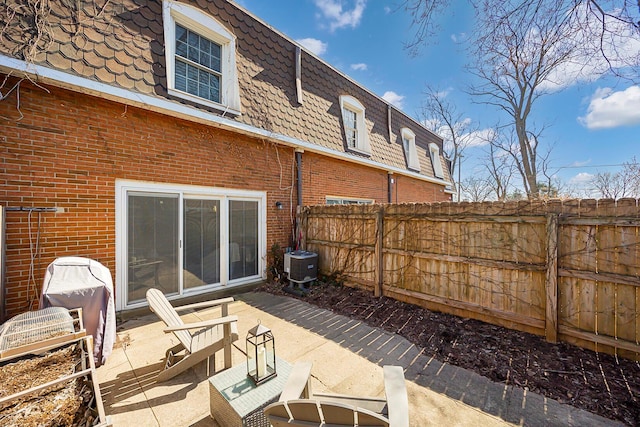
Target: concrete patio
347 358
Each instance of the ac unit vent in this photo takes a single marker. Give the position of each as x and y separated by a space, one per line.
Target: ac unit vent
301 266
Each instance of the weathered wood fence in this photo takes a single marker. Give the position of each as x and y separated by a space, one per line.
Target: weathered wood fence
568 270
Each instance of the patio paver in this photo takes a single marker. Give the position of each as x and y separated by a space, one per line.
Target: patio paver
347 358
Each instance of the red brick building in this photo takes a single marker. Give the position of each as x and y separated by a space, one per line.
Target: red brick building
172 142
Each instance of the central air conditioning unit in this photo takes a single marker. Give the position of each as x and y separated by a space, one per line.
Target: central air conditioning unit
301 266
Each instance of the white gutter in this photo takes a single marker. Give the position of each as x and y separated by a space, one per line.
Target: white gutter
176 109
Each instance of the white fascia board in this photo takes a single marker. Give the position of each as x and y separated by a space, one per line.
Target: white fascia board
186 112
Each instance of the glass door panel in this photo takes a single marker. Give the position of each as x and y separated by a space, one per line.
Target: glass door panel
201 243
243 239
152 244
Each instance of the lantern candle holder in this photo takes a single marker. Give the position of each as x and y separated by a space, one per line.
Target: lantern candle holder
261 354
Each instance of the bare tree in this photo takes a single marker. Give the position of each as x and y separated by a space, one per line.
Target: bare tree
625 183
476 188
523 50
604 27
442 116
501 168
515 55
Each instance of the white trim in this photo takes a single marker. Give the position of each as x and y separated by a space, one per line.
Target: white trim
123 187
434 151
410 150
362 136
176 109
354 199
206 26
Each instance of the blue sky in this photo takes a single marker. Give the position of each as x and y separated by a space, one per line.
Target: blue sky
591 124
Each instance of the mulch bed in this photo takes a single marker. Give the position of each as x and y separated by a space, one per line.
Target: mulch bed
600 383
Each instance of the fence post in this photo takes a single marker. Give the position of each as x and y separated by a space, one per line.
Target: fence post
551 282
378 253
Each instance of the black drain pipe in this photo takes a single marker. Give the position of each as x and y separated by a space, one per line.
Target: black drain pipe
389 187
297 231
299 177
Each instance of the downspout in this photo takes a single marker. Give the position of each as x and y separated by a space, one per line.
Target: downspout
299 176
389 187
298 236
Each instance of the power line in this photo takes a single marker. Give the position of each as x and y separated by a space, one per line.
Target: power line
586 166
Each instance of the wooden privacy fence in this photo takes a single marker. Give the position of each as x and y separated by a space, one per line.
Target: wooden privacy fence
568 270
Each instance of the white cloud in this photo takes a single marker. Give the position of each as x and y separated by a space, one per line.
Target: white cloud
598 52
339 18
393 98
359 67
581 179
315 46
477 138
579 163
459 38
609 109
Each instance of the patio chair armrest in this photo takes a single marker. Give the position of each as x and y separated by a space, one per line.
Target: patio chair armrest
203 324
298 385
395 390
204 304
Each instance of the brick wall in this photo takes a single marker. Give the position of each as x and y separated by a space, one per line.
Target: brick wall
325 176
68 150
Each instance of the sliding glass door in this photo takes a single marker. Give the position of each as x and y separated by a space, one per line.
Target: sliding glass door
201 243
152 244
186 240
243 238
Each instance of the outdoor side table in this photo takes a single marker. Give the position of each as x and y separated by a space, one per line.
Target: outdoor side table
235 400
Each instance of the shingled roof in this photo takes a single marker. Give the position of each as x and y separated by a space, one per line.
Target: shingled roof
121 43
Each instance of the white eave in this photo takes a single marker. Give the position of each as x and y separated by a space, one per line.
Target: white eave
186 112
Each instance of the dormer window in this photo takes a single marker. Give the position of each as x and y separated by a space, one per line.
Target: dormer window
410 151
354 125
197 62
200 58
434 151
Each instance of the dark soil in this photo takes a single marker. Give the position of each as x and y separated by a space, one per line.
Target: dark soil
600 383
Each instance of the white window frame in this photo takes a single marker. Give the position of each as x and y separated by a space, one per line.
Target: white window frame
338 200
410 150
124 187
434 151
205 26
362 139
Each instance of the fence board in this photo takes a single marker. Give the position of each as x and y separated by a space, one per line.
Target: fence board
568 302
587 298
490 262
626 313
606 248
605 309
627 241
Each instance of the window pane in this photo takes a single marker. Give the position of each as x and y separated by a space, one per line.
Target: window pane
205 59
349 118
352 138
201 243
181 75
192 86
152 244
181 34
216 52
214 91
243 239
